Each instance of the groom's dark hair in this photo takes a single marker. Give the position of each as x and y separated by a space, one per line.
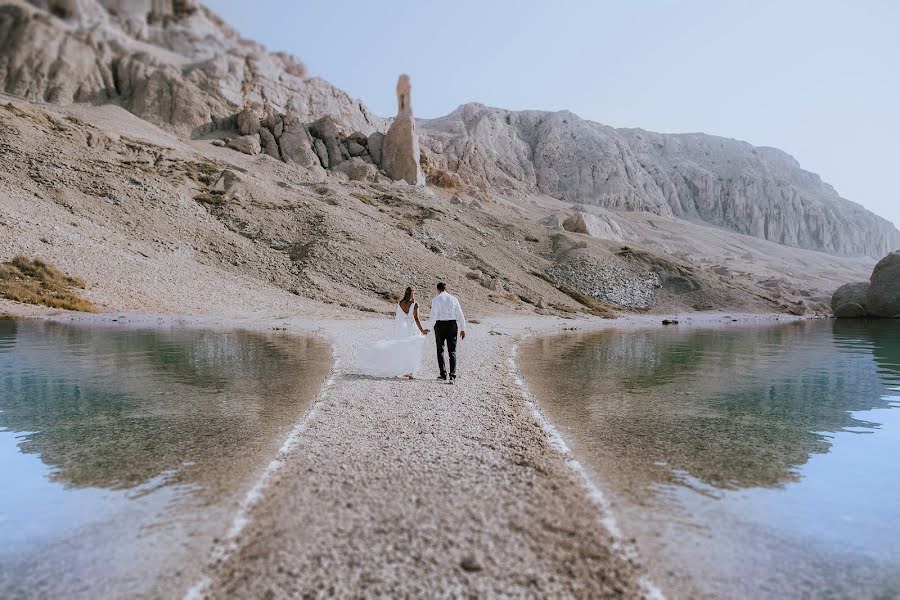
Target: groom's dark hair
441 286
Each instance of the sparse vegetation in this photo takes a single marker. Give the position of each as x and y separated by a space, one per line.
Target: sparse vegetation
33 281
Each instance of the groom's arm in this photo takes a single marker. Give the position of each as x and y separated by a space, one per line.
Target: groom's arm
460 319
431 323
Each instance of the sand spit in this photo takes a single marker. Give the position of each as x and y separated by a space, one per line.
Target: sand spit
397 488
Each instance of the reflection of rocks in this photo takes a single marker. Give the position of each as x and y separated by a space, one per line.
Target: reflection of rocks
139 404
712 404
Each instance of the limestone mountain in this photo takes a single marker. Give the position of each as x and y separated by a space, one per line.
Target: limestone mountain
171 62
757 191
176 64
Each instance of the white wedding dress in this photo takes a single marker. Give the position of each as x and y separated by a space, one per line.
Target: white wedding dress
398 356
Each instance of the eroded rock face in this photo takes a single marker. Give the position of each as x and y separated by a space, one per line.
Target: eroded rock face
171 62
883 294
400 148
849 300
758 191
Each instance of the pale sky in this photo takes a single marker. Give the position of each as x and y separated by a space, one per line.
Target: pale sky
819 79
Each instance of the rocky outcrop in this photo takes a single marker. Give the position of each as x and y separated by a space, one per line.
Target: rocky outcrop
357 169
849 300
879 297
883 295
400 148
247 121
176 64
248 144
171 62
602 226
374 144
752 190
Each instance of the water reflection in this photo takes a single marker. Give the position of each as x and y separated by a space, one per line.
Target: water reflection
732 408
122 442
746 461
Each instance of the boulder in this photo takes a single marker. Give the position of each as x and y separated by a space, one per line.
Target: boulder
248 121
849 300
296 145
400 150
358 137
553 221
359 170
248 144
375 142
601 226
355 149
445 179
269 144
321 152
883 295
326 130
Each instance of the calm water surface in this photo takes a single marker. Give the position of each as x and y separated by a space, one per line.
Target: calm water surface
747 462
123 453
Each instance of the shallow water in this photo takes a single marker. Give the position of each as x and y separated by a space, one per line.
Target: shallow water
746 461
124 453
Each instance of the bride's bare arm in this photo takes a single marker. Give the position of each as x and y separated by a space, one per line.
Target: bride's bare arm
418 324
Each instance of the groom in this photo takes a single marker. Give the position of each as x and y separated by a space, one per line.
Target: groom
447 319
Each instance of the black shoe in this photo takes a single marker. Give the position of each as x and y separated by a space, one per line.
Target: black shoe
442 378
452 378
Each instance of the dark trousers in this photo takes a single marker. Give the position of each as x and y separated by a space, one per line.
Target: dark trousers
445 332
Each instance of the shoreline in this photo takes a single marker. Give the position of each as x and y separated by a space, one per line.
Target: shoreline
566 514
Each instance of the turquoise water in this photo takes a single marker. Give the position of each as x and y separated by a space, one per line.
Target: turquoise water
745 461
124 452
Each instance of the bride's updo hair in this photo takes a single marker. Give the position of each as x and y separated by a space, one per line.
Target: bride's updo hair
408 297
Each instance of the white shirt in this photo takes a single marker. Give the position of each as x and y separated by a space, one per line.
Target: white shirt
445 307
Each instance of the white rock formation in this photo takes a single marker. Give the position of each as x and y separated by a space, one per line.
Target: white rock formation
171 62
176 64
400 148
601 226
757 191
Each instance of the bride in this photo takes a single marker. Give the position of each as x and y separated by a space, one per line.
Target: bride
402 354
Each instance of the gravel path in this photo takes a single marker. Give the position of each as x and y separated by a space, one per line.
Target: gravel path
419 488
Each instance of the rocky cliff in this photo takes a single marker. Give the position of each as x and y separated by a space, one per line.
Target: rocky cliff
171 62
176 64
728 183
